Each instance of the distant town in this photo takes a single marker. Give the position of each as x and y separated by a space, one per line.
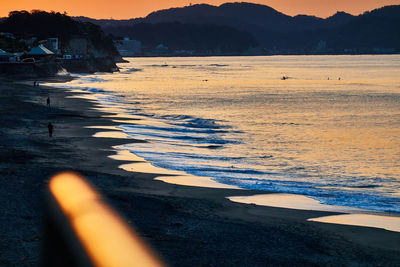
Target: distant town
42 43
46 50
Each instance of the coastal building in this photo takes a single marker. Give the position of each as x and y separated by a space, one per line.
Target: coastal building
77 47
183 52
379 50
40 53
82 48
52 44
321 47
161 49
29 41
4 56
350 50
8 57
128 47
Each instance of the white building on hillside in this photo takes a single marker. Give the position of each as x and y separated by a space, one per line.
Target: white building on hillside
52 44
128 48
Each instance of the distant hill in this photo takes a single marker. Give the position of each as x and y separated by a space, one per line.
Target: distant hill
244 15
376 31
241 15
339 19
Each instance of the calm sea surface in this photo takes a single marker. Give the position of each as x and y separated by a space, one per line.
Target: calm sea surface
331 131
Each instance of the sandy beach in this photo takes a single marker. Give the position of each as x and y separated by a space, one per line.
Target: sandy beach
186 225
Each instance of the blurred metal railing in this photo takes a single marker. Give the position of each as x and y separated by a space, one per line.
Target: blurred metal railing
81 230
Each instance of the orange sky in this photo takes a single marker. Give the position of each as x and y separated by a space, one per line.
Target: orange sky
123 9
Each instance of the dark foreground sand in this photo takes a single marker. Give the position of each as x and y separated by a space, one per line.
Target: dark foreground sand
188 226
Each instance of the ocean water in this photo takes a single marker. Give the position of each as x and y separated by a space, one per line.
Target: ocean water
331 131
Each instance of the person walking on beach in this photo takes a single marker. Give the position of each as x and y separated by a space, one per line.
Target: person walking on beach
50 127
34 84
48 101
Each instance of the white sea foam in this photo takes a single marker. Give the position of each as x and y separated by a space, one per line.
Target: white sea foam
336 141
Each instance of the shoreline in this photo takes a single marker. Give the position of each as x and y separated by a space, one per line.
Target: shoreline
285 200
291 200
176 220
349 215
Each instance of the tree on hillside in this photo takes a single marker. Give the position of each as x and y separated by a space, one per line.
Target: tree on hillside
43 25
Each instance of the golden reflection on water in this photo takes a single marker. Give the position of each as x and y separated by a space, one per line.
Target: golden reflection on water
340 133
111 134
104 127
125 155
177 177
122 115
109 109
126 121
340 144
198 181
367 220
147 167
290 201
85 96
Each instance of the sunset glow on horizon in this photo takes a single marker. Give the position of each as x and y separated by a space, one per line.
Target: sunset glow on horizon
126 9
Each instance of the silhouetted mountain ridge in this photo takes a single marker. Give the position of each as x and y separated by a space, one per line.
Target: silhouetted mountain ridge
377 29
232 14
245 14
374 31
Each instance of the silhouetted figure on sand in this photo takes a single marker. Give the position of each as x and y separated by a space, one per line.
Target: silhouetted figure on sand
34 84
50 126
48 101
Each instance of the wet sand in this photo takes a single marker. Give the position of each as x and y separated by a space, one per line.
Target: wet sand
187 225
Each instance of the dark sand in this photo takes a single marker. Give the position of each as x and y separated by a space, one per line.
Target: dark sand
188 226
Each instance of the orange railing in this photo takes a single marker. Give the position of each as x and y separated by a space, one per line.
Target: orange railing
81 230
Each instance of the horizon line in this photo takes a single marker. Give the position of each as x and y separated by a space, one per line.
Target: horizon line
178 7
